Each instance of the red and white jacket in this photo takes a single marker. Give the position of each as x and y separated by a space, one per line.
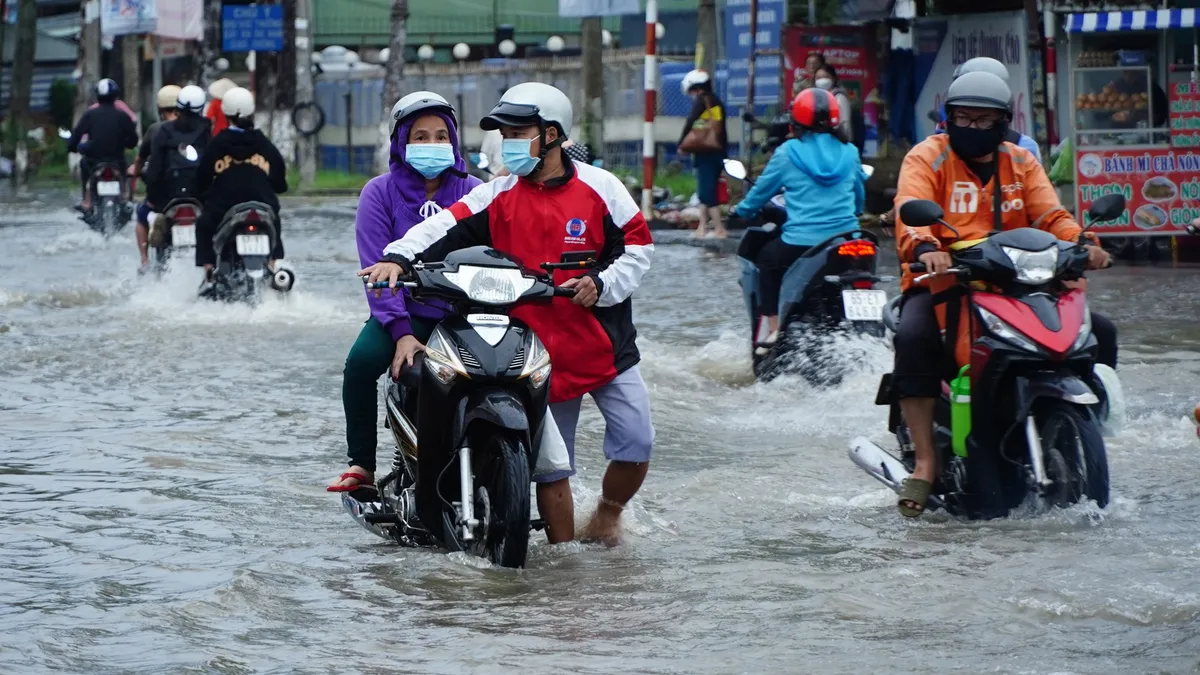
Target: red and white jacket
587 209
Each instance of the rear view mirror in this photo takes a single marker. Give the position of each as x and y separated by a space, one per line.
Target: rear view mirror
189 153
483 161
920 213
735 169
1108 207
868 170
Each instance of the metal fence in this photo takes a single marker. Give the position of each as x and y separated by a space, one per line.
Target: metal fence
475 87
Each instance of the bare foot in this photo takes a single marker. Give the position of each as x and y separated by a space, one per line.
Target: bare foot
604 526
698 233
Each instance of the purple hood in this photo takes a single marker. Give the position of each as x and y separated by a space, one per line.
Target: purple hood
389 206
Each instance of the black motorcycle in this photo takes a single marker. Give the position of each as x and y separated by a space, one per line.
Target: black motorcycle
177 231
829 291
243 242
1037 403
474 405
110 209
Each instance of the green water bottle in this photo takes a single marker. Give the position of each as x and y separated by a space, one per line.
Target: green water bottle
960 412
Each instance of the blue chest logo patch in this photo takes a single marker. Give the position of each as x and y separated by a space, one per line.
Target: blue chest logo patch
576 228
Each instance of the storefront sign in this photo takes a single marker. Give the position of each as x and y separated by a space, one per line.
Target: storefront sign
1161 188
1185 115
944 44
127 17
847 50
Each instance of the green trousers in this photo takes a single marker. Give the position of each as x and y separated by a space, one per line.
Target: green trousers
370 357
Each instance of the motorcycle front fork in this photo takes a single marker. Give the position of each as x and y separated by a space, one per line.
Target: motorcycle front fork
466 485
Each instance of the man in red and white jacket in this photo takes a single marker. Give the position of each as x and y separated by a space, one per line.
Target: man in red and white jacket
550 206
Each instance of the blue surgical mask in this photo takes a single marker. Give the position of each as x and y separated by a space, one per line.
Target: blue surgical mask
429 159
515 154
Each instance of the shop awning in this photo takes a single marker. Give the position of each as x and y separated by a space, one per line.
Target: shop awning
1104 22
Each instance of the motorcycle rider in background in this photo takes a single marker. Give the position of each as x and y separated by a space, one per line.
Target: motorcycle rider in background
590 337
165 100
986 64
110 132
170 174
961 170
239 165
822 182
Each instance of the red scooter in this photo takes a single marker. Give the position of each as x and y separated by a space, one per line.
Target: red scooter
1036 401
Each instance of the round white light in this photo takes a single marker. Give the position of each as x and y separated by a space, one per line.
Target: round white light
334 53
222 64
315 57
507 48
606 38
555 43
659 31
384 55
461 51
425 52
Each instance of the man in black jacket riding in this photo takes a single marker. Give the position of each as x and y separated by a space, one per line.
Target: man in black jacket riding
110 132
171 173
239 165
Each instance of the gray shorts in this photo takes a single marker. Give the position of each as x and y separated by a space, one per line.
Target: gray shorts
628 434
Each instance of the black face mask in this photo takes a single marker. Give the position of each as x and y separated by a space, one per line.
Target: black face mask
972 143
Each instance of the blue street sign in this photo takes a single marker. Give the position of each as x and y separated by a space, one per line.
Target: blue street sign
252 28
771 15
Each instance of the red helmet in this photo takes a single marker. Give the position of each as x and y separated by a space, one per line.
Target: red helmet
816 110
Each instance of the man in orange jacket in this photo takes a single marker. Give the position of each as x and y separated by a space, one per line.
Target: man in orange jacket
960 170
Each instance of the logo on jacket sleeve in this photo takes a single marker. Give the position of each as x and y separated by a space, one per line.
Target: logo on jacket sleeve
575 230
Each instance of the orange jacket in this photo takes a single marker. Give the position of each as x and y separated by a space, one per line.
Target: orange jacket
932 171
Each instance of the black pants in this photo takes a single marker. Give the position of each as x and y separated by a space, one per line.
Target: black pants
919 347
774 259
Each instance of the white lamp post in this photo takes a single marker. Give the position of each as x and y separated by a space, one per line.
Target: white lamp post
606 38
384 55
507 48
461 51
555 43
659 31
424 55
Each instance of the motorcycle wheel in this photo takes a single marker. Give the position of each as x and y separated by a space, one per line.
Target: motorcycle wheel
1074 454
108 218
507 481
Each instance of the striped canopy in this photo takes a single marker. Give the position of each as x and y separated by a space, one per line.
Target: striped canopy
1102 22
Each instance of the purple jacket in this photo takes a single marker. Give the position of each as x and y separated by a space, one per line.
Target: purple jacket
379 222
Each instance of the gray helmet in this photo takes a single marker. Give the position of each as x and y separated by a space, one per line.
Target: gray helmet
979 90
982 64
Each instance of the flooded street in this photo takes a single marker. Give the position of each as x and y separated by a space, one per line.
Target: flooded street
162 506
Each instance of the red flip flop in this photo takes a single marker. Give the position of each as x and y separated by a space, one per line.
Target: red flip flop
362 483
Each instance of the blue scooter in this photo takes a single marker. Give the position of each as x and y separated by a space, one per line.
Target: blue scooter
830 290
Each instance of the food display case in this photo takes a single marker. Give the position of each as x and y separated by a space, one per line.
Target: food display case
1114 107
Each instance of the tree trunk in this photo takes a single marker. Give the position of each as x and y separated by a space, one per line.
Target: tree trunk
393 81
21 85
89 57
131 69
306 145
706 35
592 46
210 47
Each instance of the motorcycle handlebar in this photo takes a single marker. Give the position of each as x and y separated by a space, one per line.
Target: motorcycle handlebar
384 284
561 292
916 268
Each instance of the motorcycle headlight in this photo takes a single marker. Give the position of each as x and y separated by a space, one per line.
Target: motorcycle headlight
537 363
441 358
1033 267
490 285
1085 330
1000 328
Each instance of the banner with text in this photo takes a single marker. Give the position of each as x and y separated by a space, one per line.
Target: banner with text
1161 188
944 44
738 43
127 17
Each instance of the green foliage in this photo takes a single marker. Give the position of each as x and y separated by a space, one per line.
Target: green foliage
62 103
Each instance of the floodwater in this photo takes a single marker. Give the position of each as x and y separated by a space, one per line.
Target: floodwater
162 504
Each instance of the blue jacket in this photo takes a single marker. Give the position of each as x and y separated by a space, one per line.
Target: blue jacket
822 183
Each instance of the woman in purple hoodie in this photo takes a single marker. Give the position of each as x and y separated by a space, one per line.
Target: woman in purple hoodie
427 175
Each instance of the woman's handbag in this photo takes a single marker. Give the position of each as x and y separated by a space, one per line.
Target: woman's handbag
703 137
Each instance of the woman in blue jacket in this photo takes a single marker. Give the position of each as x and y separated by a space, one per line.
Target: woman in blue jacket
821 178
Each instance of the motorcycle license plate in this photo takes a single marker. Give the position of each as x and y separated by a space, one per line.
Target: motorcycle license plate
108 188
183 235
253 244
864 305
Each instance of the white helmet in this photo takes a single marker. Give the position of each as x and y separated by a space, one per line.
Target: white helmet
191 99
694 78
531 104
237 102
217 89
418 101
167 97
984 64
